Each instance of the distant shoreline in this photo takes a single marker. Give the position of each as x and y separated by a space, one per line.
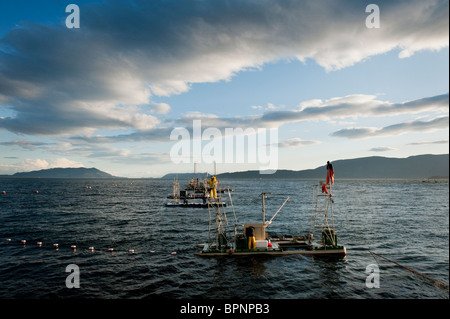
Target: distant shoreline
414 179
418 167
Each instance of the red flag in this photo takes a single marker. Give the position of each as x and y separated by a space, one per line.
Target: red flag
330 173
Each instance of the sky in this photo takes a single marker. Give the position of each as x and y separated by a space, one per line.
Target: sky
145 88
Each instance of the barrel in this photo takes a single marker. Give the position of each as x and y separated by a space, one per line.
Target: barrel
241 242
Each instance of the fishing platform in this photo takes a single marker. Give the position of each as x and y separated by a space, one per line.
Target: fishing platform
195 195
233 240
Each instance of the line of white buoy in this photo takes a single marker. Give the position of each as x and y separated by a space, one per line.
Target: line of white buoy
91 248
3 192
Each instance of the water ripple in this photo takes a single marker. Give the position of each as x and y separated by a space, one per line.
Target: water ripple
132 216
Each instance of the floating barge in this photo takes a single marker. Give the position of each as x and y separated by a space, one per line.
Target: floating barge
194 196
196 204
224 241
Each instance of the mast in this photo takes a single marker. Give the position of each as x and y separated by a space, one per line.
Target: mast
221 239
264 196
176 191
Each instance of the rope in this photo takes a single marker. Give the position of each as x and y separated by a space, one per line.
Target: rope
437 283
209 227
232 206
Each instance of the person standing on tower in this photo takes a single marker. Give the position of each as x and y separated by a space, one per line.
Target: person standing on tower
330 173
212 187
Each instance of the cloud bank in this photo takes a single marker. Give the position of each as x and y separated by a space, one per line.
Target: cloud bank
296 142
353 106
106 75
396 129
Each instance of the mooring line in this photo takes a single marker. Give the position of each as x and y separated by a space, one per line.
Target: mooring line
436 282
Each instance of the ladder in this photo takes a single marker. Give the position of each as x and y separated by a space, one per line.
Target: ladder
222 237
322 214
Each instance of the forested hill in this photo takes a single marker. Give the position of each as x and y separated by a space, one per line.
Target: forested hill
79 172
420 166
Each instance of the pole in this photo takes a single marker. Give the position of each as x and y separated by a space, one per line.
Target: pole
263 207
279 209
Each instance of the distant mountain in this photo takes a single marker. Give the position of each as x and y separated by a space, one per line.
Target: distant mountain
375 167
79 172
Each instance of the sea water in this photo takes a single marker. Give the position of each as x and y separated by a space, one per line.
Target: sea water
142 249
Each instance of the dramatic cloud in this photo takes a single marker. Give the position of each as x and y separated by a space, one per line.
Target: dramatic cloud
396 129
352 106
106 74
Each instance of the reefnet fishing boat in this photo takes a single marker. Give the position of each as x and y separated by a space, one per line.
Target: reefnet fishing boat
193 197
197 193
236 240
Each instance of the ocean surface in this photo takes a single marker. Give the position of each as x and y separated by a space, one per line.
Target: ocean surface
404 221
